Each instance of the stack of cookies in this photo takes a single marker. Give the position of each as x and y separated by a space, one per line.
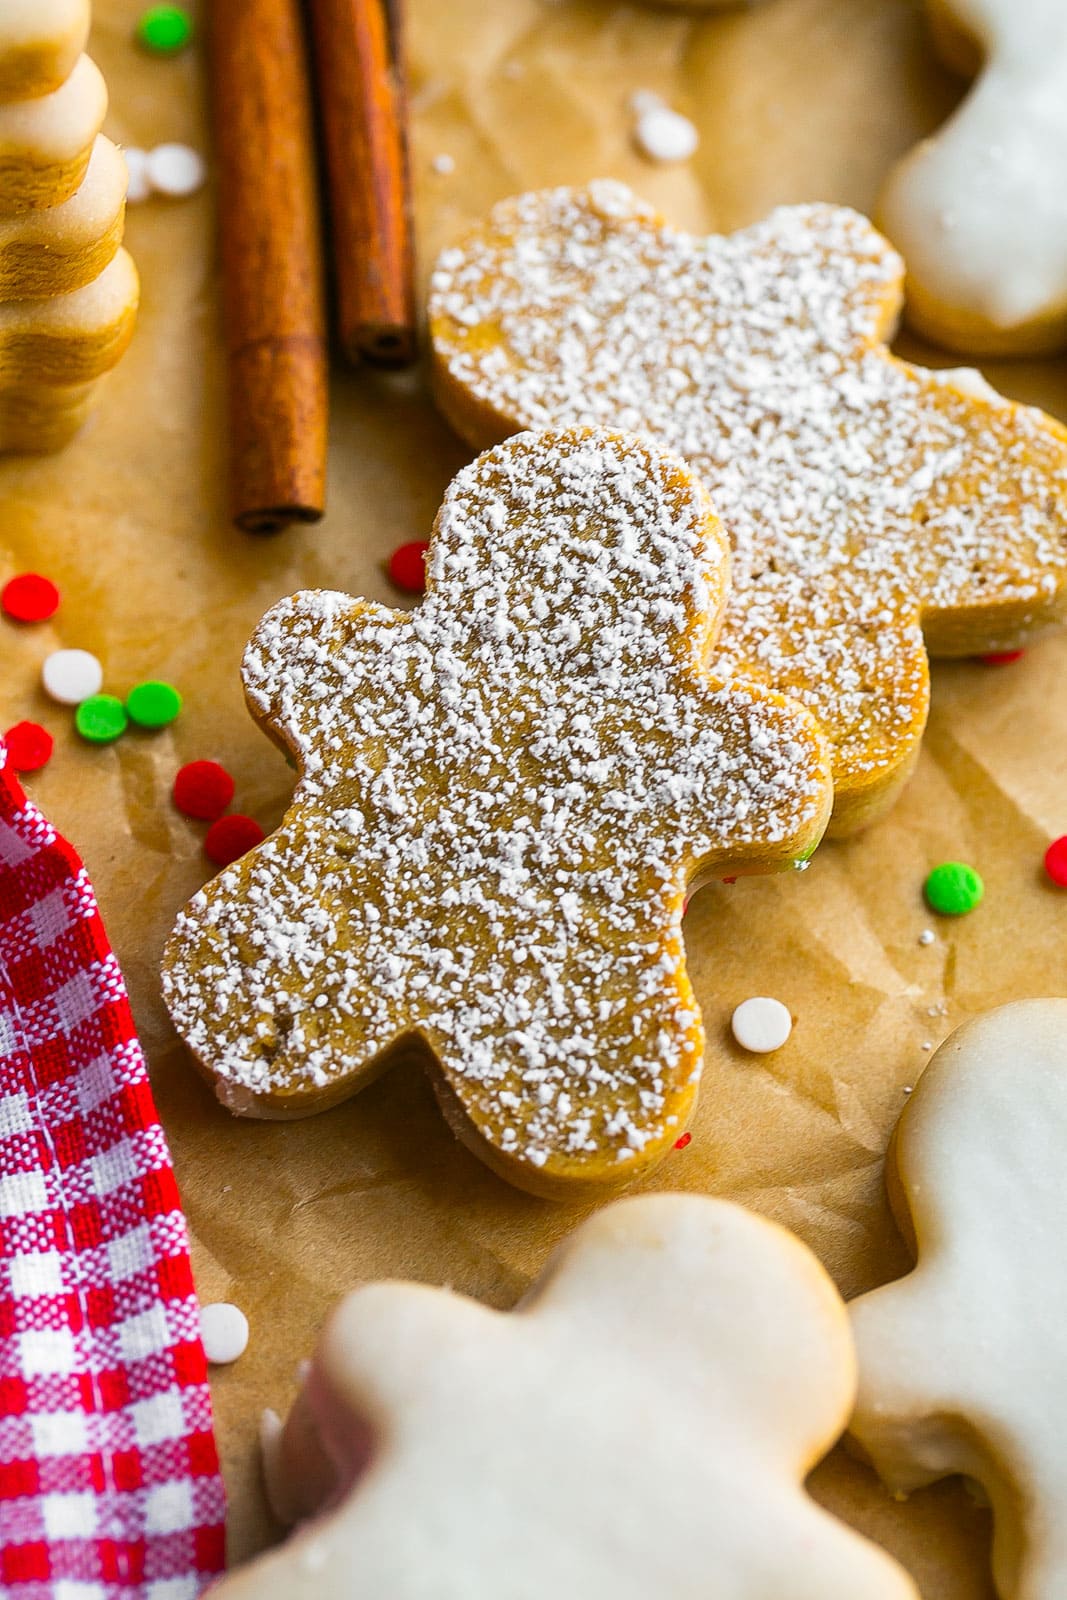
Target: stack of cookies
68 291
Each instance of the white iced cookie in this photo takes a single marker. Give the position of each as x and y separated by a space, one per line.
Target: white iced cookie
641 1426
40 40
45 143
61 248
979 211
963 1364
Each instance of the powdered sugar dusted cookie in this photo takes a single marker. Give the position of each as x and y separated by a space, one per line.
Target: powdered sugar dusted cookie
866 499
45 143
641 1426
503 797
980 209
963 1366
40 40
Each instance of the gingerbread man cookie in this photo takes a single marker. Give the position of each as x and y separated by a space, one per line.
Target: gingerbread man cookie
980 210
503 797
641 1426
866 499
963 1366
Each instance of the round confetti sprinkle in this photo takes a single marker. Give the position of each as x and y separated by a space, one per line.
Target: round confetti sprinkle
153 704
1056 861
224 1330
175 170
1003 658
29 746
101 719
231 837
71 676
761 1024
407 567
29 598
164 30
665 135
138 184
953 889
202 789
686 1139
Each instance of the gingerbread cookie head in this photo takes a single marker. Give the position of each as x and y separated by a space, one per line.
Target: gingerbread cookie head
962 1364
503 797
865 499
979 210
642 1425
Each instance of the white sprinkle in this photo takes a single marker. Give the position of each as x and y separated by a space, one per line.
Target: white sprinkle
71 676
761 1024
927 936
224 1330
444 164
665 135
175 170
138 186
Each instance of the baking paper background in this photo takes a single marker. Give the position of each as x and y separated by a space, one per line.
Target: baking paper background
794 100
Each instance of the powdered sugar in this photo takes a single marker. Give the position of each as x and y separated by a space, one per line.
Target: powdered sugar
503 796
860 494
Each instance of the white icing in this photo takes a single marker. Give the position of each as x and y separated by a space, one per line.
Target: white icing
963 1364
980 210
639 1428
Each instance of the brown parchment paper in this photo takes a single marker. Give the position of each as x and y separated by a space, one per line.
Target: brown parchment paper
794 100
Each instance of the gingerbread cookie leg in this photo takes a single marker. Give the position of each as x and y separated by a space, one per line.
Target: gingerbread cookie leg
464 1452
962 1367
503 796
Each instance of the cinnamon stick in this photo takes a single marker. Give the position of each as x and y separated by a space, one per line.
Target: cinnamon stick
272 270
362 108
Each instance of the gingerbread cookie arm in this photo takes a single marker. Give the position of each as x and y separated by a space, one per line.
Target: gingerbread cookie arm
301 656
40 42
979 209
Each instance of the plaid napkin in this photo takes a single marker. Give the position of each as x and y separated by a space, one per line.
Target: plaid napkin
109 1481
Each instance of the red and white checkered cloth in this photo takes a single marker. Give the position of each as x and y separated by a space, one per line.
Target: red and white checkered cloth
109 1481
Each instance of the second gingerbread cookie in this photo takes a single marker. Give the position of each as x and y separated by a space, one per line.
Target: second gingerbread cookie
503 797
867 501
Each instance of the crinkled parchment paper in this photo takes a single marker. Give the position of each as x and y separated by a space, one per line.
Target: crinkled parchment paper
795 100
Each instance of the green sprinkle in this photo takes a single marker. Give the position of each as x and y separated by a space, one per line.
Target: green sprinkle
101 718
165 30
153 705
953 889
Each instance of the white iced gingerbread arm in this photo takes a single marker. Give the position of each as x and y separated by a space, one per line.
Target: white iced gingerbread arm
980 209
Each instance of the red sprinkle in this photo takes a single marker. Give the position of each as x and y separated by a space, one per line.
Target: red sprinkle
1056 861
29 598
680 1144
1004 659
231 837
407 567
202 789
29 746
